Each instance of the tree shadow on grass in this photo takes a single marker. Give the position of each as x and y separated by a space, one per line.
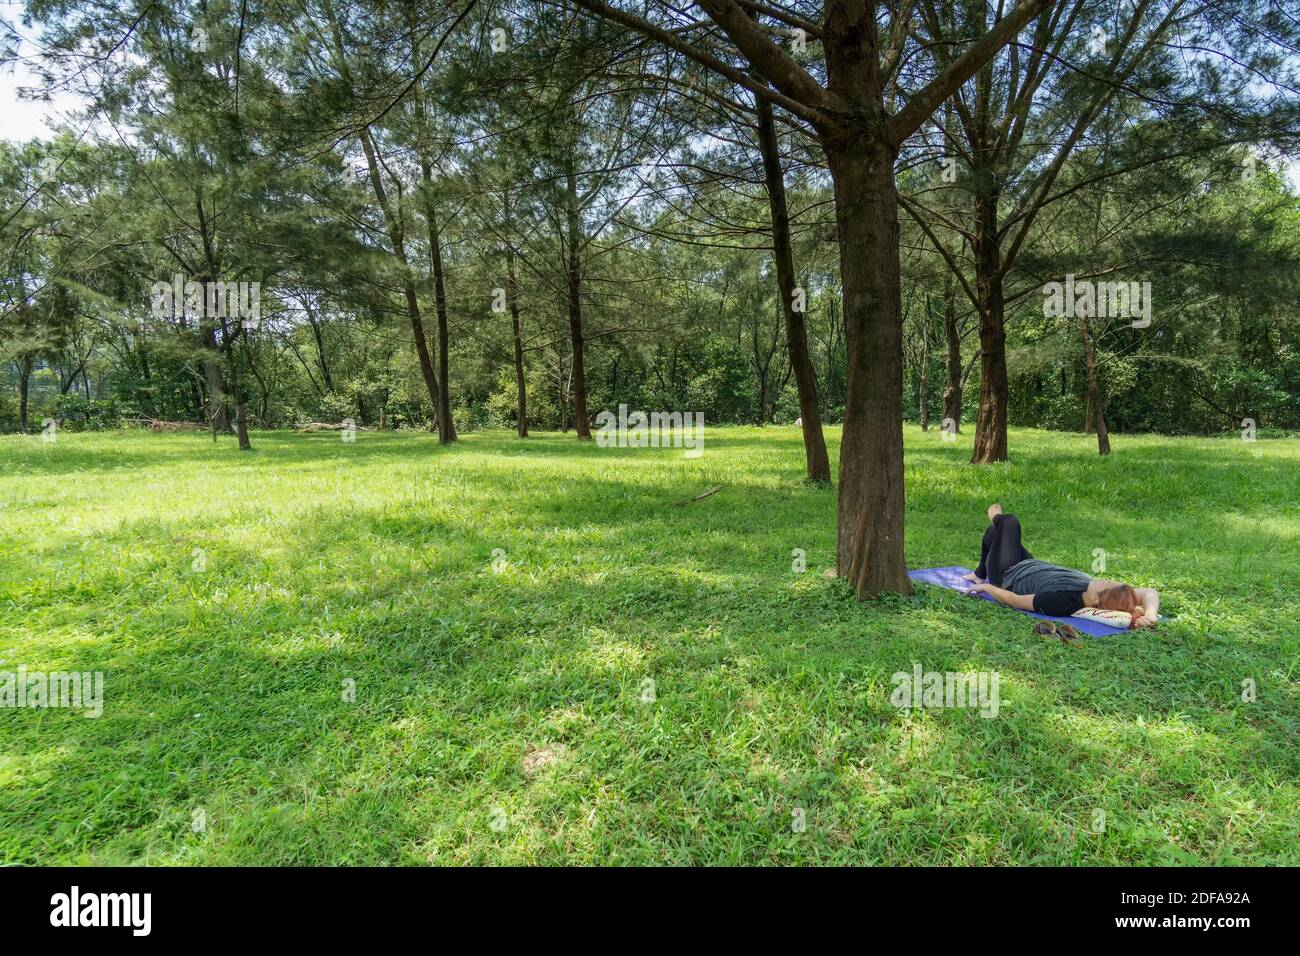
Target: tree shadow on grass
770 693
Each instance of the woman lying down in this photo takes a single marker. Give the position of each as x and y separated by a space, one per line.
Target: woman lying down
1014 577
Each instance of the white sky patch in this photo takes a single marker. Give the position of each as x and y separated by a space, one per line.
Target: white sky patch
25 119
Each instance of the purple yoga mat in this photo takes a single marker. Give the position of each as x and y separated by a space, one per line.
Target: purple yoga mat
951 578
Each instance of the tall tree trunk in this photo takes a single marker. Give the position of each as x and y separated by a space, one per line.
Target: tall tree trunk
581 425
564 399
446 428
24 391
521 385
925 361
1094 391
991 425
952 393
860 155
319 337
393 220
236 392
814 443
869 531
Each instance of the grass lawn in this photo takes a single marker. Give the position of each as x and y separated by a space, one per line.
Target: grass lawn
509 716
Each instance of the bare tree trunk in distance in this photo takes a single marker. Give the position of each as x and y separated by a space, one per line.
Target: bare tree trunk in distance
24 391
952 393
446 427
512 293
581 425
521 385
925 361
1098 413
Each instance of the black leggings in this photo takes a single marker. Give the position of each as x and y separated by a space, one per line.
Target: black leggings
1001 548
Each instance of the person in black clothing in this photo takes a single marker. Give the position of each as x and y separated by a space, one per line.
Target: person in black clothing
1011 575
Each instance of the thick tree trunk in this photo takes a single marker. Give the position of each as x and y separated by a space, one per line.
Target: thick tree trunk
581 425
869 532
1095 404
446 427
952 393
814 442
991 425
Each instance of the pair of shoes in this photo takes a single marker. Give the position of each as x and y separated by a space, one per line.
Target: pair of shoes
1065 633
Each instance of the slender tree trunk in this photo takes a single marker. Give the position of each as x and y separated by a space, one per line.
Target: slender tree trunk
925 361
1094 390
814 442
442 400
393 219
952 393
24 391
521 385
564 399
145 395
581 425
869 532
319 337
446 428
991 425
236 392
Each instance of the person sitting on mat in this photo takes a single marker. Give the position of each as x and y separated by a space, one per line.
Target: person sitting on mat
1014 577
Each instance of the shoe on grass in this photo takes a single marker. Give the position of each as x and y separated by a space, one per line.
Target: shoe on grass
1069 634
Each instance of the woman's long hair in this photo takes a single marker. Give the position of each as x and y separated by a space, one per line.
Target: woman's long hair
1121 598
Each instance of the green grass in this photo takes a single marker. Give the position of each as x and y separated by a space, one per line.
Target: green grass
372 562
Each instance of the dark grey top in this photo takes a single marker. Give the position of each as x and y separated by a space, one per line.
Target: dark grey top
1032 576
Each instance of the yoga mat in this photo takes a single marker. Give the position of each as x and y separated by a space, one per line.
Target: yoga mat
951 578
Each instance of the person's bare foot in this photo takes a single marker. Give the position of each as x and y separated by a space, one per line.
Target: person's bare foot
995 509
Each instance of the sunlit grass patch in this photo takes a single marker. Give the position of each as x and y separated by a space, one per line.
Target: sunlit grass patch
360 653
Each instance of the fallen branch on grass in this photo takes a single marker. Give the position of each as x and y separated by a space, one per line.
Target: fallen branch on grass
686 501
